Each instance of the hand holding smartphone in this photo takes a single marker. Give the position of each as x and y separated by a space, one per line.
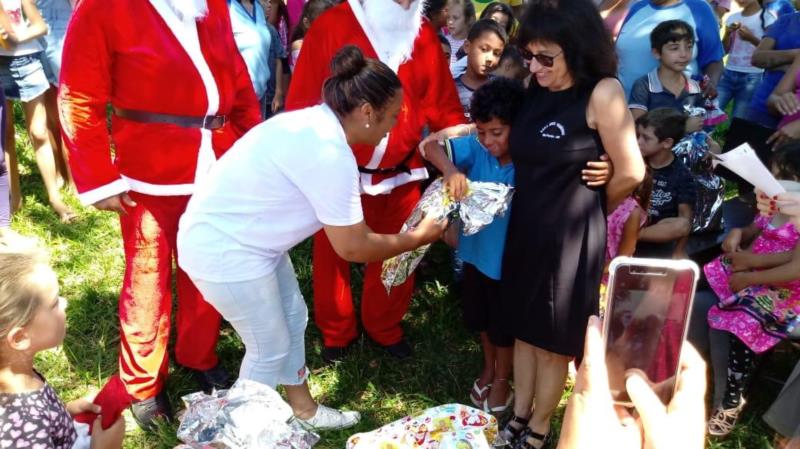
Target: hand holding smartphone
649 304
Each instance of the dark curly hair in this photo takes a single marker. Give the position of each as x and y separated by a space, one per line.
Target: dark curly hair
576 26
500 98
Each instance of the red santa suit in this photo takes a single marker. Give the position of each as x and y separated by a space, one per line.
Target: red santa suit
390 171
143 58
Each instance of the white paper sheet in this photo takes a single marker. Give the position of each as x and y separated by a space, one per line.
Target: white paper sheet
743 161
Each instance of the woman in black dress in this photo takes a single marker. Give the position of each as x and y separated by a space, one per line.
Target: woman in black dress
574 111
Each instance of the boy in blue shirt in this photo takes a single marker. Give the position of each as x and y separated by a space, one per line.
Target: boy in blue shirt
484 157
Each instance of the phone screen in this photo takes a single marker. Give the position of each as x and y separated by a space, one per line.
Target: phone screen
648 311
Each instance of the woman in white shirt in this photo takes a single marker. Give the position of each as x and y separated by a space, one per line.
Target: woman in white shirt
283 181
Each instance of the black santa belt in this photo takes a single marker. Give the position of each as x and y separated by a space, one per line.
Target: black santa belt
209 122
402 167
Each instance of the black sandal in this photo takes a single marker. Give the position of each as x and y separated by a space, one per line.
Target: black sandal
528 434
509 434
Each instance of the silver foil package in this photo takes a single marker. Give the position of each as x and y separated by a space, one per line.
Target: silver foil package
250 415
693 151
484 201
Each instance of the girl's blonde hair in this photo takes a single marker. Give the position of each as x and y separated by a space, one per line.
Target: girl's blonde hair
18 298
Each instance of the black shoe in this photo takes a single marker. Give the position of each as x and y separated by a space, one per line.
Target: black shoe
211 379
400 350
333 354
147 411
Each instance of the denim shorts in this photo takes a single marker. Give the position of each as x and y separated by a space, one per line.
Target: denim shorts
23 77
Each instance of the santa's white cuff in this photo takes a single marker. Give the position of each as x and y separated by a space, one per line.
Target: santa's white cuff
103 192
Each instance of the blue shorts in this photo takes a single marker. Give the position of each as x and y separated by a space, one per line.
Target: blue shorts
23 77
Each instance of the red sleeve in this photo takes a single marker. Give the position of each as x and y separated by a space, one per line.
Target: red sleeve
440 103
84 92
312 69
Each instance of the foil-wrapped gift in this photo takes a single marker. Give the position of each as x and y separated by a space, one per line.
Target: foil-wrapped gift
250 415
450 426
483 202
693 151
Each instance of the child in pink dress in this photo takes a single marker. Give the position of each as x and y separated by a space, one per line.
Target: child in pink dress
624 223
759 293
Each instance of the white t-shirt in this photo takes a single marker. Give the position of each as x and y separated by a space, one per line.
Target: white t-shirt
13 9
273 189
741 50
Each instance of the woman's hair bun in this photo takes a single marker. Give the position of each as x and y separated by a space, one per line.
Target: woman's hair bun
348 62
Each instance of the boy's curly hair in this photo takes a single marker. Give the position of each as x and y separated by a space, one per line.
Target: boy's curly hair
500 98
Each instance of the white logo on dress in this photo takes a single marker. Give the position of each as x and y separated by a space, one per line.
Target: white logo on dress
553 130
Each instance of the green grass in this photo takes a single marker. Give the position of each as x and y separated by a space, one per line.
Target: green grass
88 258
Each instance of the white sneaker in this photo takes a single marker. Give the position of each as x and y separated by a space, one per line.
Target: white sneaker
328 418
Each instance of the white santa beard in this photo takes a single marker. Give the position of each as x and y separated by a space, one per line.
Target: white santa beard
189 9
396 28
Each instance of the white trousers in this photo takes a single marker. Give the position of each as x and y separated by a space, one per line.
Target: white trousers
270 316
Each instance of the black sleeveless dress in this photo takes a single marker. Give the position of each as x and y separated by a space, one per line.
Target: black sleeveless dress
555 247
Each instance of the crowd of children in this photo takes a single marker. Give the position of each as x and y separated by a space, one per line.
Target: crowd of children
756 278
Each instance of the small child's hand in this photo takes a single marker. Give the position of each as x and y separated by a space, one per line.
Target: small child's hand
110 438
456 184
733 241
740 261
739 281
598 173
694 124
82 405
746 34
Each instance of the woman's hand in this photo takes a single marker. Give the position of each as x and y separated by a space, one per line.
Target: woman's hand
591 420
733 241
789 131
456 184
444 134
597 173
740 281
429 230
682 423
786 103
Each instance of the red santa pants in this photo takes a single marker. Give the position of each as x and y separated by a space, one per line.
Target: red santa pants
380 313
149 233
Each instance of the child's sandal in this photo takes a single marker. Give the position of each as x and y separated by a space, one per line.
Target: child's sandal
723 420
510 434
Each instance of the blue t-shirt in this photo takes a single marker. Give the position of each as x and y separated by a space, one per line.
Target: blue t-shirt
633 43
786 33
780 7
253 40
483 249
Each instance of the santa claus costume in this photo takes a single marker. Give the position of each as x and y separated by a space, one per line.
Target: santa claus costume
390 172
181 97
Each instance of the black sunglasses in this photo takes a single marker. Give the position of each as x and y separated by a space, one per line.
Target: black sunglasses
544 60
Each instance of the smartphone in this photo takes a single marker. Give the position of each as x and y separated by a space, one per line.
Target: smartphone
646 320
